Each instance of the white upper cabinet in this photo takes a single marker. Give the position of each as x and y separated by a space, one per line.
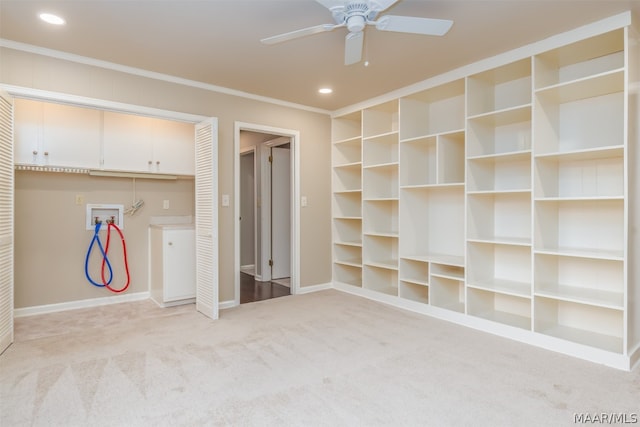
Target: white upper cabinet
58 135
127 142
48 134
173 147
145 144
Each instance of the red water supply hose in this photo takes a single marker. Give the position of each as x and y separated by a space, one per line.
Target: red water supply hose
124 254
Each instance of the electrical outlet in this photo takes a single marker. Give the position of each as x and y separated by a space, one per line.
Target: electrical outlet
304 202
79 199
225 200
165 204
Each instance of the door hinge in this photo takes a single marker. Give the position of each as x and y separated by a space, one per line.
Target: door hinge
270 159
270 263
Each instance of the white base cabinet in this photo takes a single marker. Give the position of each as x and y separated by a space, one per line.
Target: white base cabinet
504 200
172 264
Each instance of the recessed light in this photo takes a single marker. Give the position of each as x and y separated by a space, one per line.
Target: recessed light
325 90
50 18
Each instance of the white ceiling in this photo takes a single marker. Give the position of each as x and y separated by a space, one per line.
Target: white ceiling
218 41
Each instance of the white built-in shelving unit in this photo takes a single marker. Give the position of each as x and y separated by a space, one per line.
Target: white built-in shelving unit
504 199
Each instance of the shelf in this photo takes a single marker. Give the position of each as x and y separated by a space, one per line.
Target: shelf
380 182
453 270
499 88
380 119
347 152
433 111
358 243
382 280
351 263
380 217
581 227
503 240
451 152
499 267
499 132
502 286
452 260
413 291
381 149
385 264
347 204
447 294
348 274
381 251
346 128
504 217
611 255
585 58
348 255
506 309
347 179
566 125
607 83
590 281
432 160
432 221
582 174
504 172
584 324
414 271
418 162
347 231
455 185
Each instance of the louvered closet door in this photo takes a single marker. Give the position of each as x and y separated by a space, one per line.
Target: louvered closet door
207 218
6 221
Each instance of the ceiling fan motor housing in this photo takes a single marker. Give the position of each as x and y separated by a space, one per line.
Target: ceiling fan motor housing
353 14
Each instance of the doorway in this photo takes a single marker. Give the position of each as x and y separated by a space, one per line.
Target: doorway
267 234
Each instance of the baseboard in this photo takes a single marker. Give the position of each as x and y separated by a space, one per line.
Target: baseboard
634 357
223 305
248 269
547 342
314 288
73 305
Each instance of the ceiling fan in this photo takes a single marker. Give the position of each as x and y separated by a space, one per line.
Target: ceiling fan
355 15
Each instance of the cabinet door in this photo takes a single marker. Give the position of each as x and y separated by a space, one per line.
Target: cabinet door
49 134
179 265
173 147
71 136
27 131
127 142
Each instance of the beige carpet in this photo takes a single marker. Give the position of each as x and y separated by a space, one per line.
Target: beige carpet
323 359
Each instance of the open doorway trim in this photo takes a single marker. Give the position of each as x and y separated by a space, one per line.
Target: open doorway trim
254 152
294 135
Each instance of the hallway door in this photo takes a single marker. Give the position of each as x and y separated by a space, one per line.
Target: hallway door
280 213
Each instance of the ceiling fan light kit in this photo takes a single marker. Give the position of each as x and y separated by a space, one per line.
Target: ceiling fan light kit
356 15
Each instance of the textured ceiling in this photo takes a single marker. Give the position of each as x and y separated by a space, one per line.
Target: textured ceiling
218 41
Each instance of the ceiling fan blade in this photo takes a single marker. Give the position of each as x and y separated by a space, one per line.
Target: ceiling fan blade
299 33
415 25
353 48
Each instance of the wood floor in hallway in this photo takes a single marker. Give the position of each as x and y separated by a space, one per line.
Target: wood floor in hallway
251 290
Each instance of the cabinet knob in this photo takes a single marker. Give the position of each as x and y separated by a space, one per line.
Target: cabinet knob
35 152
158 162
170 243
46 153
150 162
